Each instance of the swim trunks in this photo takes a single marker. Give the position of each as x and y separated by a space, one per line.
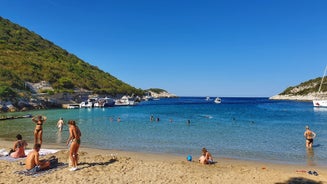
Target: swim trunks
310 140
35 169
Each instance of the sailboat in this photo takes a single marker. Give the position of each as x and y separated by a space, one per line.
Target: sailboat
320 102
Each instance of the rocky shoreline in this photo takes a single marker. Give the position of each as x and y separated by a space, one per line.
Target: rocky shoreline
54 101
292 97
308 97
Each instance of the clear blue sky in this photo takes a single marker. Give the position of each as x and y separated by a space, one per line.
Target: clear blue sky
188 47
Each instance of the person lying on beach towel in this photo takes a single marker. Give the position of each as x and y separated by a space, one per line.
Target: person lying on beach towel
33 162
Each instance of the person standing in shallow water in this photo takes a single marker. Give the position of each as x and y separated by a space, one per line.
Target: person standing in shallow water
309 136
75 139
60 124
39 120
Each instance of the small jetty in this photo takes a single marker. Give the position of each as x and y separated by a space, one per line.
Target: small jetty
70 106
15 117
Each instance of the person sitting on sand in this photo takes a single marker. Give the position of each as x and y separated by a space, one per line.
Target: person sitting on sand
206 157
33 163
202 159
19 148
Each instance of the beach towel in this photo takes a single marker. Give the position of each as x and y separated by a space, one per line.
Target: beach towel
32 172
3 152
42 152
11 159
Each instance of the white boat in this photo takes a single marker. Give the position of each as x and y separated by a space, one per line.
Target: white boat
105 102
89 103
217 100
207 98
124 101
320 102
148 97
86 104
73 106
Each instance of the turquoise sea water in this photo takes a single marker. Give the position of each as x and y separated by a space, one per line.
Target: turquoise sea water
244 128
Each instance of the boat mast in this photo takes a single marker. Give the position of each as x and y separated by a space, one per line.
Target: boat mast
322 79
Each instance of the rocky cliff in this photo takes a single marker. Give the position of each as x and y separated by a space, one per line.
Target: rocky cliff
163 94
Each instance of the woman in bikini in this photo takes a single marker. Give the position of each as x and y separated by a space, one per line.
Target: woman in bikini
19 148
75 139
39 120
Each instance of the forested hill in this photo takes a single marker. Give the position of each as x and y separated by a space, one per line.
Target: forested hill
307 90
26 56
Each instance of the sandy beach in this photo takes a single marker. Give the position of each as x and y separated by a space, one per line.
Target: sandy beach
100 166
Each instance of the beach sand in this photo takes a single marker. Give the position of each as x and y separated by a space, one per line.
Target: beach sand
99 166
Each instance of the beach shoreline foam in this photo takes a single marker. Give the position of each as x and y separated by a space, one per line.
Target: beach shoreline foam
112 166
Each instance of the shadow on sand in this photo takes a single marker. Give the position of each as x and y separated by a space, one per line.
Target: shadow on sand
84 165
300 180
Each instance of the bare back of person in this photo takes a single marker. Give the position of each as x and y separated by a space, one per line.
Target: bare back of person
309 134
33 160
19 149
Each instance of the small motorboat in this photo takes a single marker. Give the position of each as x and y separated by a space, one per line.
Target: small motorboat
124 101
217 100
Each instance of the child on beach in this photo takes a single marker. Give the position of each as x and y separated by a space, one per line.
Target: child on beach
206 157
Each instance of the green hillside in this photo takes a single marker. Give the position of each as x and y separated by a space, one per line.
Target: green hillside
305 88
26 56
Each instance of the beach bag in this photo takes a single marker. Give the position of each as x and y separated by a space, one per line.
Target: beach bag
53 162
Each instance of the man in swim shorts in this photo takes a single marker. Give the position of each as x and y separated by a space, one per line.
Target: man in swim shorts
309 136
33 162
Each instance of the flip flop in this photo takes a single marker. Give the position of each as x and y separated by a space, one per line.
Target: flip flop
315 173
310 172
